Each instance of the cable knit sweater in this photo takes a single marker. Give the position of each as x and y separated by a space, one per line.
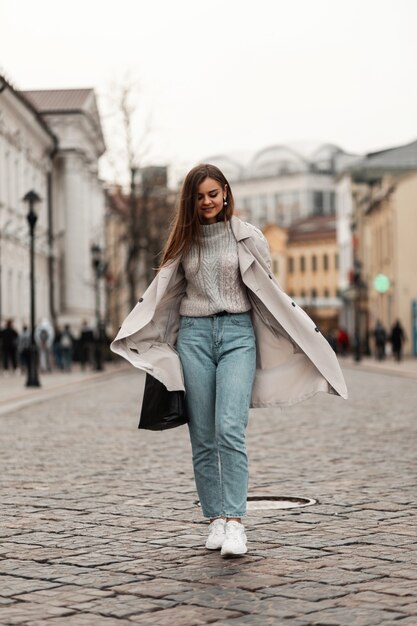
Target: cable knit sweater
214 284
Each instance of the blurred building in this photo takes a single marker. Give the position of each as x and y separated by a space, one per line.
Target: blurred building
50 142
377 222
305 262
117 224
27 146
390 250
284 183
77 193
153 205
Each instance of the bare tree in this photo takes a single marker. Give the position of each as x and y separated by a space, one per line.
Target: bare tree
148 210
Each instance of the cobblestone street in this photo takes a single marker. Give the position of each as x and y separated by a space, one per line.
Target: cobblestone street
99 522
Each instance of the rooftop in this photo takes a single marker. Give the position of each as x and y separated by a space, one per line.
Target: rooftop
313 228
392 160
47 100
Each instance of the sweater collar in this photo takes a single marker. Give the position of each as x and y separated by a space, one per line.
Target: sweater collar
212 230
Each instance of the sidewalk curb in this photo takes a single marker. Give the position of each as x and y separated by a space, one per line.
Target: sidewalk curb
40 395
367 367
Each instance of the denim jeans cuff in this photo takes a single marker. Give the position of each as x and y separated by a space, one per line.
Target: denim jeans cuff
235 514
215 515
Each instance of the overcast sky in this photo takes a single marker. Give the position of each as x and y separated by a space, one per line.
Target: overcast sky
228 76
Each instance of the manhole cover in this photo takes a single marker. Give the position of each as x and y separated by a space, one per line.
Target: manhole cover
258 503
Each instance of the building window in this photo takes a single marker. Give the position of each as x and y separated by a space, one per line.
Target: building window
314 263
303 293
332 202
336 261
275 266
290 264
277 200
325 262
313 293
326 293
302 264
318 203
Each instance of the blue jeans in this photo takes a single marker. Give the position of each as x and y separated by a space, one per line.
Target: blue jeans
218 356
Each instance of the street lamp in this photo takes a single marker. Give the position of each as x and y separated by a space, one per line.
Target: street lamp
32 379
98 267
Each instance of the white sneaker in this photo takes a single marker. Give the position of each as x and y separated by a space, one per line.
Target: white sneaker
216 534
235 541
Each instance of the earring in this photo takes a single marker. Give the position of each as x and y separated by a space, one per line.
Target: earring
224 202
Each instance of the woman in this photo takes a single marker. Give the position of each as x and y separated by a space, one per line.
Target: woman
215 322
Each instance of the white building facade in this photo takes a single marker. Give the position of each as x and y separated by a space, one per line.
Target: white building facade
26 146
344 204
50 141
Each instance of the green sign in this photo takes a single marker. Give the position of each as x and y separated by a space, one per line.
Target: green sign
381 283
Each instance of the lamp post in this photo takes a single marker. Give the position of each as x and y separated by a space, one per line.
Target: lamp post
358 286
1 301
32 379
97 263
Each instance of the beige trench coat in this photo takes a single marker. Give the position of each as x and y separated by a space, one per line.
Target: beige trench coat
294 360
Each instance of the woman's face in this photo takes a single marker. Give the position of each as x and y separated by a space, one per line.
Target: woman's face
210 198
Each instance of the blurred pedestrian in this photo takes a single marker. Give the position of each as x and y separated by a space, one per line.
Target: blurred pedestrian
343 342
86 343
216 301
397 338
380 336
44 337
56 347
23 348
67 344
9 337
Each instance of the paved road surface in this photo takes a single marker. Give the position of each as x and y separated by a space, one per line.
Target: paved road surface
99 525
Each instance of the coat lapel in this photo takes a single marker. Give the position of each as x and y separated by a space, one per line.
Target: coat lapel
242 234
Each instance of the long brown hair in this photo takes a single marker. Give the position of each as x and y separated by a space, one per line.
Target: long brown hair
186 228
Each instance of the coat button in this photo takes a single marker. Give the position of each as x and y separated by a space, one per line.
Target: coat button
293 303
317 329
270 276
140 299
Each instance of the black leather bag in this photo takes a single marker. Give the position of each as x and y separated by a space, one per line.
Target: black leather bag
161 409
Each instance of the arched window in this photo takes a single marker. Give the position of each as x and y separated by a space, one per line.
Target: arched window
314 263
302 264
290 264
325 262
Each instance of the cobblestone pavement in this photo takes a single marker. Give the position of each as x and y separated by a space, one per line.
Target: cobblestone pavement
99 525
14 394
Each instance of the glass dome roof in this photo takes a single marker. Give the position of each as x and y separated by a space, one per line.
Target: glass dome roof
277 160
284 159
